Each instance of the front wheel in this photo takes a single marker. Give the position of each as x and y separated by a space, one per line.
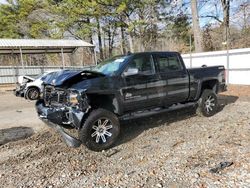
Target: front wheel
33 93
208 103
100 130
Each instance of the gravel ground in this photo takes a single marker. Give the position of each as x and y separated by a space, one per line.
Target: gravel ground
176 149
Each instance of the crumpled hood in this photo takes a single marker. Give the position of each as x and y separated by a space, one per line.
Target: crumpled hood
22 79
67 77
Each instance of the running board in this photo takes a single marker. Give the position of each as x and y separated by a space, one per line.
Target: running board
150 112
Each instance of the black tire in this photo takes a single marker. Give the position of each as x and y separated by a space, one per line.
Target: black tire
208 103
91 130
33 93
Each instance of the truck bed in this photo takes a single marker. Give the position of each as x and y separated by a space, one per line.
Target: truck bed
201 75
202 72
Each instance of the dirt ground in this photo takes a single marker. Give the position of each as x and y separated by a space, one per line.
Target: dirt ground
176 149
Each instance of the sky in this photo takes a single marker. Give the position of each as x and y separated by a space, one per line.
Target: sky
213 8
2 1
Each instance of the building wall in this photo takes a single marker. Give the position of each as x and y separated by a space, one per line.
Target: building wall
238 66
237 62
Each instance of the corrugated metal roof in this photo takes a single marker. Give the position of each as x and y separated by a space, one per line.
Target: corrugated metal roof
43 43
37 46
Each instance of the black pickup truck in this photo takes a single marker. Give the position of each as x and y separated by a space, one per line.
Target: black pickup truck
125 87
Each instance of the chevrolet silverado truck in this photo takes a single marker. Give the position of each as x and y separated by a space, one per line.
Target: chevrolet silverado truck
126 87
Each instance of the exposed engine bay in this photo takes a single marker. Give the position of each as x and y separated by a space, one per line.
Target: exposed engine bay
64 107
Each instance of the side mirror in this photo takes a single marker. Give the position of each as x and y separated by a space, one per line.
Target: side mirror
131 71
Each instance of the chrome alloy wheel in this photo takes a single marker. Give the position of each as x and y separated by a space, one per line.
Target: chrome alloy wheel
34 94
101 130
209 103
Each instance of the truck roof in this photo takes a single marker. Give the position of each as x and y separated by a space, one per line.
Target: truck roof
153 52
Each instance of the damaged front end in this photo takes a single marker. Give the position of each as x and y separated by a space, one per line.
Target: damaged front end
20 90
61 108
21 84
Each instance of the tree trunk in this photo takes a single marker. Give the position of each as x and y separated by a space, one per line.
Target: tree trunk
196 27
123 40
130 41
225 5
104 46
109 41
90 34
112 37
99 38
141 33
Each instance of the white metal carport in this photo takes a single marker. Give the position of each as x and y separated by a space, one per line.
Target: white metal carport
40 46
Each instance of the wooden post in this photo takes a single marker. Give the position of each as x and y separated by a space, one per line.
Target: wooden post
227 78
63 63
95 56
21 56
190 50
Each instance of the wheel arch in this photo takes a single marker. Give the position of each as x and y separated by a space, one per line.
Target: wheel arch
33 86
105 101
212 84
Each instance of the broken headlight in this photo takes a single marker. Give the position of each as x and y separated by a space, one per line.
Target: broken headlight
73 98
79 100
21 86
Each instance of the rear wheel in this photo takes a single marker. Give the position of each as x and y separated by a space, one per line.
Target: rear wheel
100 130
33 93
208 103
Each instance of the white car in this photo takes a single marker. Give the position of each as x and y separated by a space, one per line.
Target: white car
31 88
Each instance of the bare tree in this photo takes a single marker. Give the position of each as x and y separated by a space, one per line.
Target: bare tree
196 27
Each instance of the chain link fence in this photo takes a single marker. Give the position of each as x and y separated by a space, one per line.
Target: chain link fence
9 74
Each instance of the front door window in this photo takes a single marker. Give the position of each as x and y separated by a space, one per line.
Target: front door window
144 64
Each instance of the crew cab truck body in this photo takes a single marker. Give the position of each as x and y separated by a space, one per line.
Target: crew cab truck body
125 87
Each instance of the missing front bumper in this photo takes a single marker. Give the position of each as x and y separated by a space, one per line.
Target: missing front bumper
55 118
18 92
68 139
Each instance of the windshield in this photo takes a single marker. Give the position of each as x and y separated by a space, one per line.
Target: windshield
40 75
47 77
110 66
